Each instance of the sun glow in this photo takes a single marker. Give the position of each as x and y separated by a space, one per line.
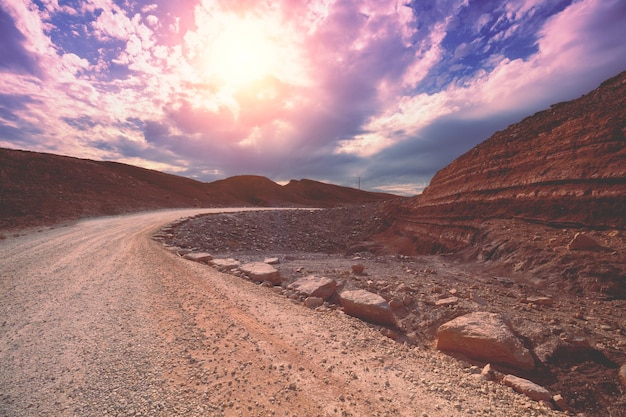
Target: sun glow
242 52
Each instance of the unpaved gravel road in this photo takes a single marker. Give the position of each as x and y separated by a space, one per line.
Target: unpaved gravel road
96 319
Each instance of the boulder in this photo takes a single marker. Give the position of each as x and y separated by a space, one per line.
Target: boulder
367 306
583 242
396 303
407 300
173 249
272 261
313 302
225 264
488 373
528 388
260 271
539 300
477 299
449 301
560 402
358 269
313 286
622 375
484 336
202 257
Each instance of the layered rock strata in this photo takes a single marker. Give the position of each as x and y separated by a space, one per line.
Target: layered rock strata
564 167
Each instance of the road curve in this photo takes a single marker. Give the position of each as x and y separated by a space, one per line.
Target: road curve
96 319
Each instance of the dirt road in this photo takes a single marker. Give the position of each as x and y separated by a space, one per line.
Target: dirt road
96 319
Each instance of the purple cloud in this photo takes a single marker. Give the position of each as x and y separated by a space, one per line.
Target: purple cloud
330 90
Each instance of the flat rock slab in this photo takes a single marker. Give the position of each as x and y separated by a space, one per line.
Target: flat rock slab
313 302
202 257
225 264
314 286
260 271
484 336
528 388
272 261
367 306
539 300
450 301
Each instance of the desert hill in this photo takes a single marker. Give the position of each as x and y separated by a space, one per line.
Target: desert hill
517 200
565 167
309 190
42 189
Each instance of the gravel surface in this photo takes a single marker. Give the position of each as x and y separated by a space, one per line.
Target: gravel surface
99 320
332 231
330 242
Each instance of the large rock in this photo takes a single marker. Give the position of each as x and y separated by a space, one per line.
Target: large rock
272 261
202 257
261 272
583 242
225 264
313 302
367 306
528 388
484 336
313 286
622 375
450 301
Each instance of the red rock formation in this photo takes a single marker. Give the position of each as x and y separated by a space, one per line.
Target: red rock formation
367 306
565 166
484 336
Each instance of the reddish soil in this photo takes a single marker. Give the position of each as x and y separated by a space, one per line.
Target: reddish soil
38 189
492 229
580 339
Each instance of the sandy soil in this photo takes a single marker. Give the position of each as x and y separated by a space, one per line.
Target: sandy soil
98 320
578 338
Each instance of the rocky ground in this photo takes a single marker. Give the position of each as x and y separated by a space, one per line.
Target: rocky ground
99 320
574 327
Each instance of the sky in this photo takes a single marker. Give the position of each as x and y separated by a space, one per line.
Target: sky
371 93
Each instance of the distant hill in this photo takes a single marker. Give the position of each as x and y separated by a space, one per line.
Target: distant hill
43 189
562 167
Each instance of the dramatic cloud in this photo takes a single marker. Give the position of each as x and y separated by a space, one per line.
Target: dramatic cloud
333 90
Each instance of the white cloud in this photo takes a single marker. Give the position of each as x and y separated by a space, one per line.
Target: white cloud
519 9
72 63
31 25
426 56
339 87
152 20
113 23
149 8
566 55
481 22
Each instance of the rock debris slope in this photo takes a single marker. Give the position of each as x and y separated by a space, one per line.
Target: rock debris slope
548 337
97 320
565 166
545 197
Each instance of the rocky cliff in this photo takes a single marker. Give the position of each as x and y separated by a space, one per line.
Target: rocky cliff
562 167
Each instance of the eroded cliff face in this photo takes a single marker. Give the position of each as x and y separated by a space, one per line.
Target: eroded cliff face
562 167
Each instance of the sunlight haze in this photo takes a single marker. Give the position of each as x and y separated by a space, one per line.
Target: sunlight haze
332 90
